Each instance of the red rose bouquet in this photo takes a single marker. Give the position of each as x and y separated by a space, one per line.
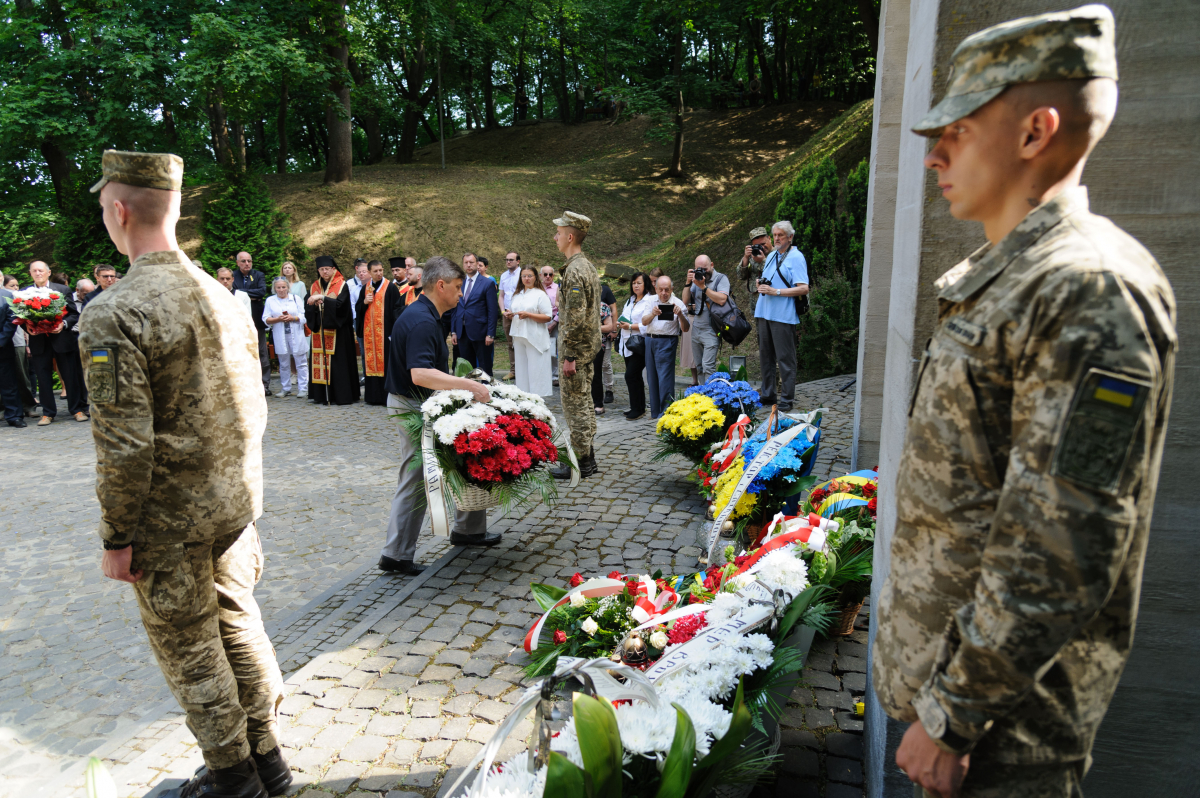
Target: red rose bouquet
39 310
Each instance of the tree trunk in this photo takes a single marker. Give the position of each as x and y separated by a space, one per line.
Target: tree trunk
676 169
60 167
749 53
370 125
239 145
564 99
281 158
219 128
870 21
340 160
429 131
782 78
489 91
541 76
768 84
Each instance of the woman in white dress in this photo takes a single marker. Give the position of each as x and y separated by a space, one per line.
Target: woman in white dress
530 312
284 314
296 286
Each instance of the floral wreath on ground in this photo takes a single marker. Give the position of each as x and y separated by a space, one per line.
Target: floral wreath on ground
732 397
501 446
688 427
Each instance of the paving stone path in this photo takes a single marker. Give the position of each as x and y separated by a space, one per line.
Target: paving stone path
392 684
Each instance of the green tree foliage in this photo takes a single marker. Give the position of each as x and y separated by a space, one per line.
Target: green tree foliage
81 241
240 215
19 229
831 237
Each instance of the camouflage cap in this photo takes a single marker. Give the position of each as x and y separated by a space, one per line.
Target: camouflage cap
572 219
147 169
758 232
1067 45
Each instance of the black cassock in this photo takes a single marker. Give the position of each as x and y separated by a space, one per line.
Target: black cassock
343 368
393 303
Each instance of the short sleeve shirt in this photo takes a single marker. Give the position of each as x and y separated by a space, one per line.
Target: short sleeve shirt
508 283
791 272
417 343
718 283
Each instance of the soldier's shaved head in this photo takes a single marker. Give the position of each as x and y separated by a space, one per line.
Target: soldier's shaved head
1085 107
146 207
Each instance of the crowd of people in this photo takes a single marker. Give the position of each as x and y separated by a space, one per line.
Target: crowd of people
331 337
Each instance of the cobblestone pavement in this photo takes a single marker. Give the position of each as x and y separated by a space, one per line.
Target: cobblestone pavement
392 684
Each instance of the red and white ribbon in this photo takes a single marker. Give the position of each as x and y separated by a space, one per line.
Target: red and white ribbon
812 531
651 602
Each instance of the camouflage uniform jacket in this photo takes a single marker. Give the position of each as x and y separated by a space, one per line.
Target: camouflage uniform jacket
579 310
171 362
1025 489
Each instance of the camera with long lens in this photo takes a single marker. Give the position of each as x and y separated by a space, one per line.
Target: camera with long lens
758 249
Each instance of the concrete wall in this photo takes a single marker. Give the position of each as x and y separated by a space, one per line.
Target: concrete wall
1145 175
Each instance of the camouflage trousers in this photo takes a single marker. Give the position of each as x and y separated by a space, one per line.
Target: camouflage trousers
576 393
994 780
197 604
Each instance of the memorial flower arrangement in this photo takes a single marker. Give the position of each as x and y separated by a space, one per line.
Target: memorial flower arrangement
783 475
500 446
732 397
724 491
38 310
688 427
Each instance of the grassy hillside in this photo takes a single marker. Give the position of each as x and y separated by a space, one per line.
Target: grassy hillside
501 188
721 231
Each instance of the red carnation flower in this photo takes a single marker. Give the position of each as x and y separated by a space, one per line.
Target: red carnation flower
560 637
818 495
741 560
577 579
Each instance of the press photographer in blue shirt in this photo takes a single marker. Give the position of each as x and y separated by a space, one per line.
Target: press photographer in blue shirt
784 280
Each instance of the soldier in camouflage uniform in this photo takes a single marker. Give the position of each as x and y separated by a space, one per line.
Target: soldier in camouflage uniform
1035 432
178 418
578 340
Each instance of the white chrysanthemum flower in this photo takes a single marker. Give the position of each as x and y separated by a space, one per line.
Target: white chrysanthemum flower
723 607
783 571
567 743
513 779
646 730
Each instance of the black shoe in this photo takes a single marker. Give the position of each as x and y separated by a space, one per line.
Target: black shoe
273 771
562 470
408 567
486 539
239 781
766 401
608 398
20 422
629 414
587 465
267 392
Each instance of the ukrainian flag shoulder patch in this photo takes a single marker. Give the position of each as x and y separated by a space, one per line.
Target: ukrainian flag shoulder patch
1100 431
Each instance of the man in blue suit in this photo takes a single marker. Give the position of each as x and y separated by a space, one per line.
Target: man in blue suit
473 325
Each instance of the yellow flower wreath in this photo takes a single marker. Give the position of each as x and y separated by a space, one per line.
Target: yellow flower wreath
725 485
690 417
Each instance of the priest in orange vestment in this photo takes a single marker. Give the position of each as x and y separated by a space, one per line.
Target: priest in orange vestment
375 313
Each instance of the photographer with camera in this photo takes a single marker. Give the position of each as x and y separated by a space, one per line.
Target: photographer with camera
755 255
784 279
705 286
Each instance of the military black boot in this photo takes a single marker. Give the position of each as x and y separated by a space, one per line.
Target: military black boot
239 781
273 770
587 464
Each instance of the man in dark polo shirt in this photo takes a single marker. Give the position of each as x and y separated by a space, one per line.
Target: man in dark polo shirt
417 366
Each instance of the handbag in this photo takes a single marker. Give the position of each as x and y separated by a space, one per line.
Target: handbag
728 321
636 344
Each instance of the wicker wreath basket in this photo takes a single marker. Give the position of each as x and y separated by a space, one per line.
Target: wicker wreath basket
474 498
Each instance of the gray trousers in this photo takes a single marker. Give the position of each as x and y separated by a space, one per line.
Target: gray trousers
264 359
705 345
607 368
777 344
408 502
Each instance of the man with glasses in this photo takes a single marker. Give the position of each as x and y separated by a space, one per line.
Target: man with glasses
508 284
106 276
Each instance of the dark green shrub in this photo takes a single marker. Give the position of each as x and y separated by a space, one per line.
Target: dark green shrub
19 229
832 242
238 215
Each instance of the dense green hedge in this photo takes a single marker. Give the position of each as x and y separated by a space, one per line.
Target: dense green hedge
239 214
832 241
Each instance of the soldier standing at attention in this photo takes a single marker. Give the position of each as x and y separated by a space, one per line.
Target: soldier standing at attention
1034 436
178 416
578 340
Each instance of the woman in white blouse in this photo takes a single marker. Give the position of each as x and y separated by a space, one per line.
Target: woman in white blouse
641 301
284 314
296 286
530 312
